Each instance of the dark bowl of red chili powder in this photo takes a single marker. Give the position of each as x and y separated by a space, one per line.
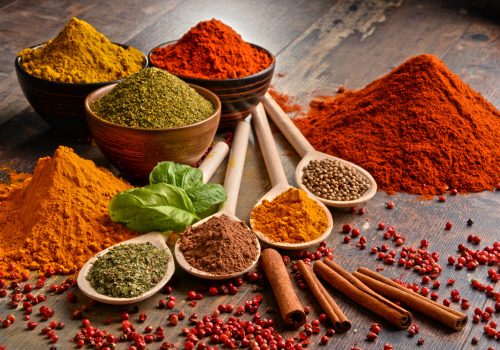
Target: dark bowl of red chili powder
212 55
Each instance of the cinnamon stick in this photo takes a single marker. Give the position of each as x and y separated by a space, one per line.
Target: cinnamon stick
329 306
394 291
277 275
362 295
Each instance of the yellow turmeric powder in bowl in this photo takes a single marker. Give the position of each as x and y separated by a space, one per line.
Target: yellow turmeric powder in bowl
80 54
291 217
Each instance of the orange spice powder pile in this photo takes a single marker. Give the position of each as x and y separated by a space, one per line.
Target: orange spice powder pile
58 219
419 129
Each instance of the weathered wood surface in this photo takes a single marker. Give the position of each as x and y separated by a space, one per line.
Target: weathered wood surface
319 45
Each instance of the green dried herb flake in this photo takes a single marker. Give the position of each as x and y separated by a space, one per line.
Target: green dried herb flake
128 270
153 98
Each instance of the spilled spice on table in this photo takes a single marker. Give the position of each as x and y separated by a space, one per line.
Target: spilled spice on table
285 101
15 181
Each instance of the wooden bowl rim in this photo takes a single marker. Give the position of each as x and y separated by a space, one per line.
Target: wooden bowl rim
263 72
17 63
92 97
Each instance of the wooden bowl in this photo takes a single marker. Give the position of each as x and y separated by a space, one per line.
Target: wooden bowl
238 96
136 151
61 105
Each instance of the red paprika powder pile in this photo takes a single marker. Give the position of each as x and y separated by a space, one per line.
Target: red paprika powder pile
211 50
419 129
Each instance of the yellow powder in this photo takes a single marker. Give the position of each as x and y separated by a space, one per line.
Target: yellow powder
80 54
291 217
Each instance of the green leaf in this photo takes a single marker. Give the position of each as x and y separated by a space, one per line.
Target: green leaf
158 207
206 198
181 175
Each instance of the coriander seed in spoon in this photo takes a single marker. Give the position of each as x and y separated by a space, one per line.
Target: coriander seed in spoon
334 181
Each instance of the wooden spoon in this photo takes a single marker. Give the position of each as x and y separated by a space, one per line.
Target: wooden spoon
209 165
155 238
308 154
232 183
279 181
213 159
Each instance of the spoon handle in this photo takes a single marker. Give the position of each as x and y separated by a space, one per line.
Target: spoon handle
286 126
268 147
213 159
235 166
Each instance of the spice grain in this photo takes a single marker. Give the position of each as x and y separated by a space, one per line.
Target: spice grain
334 180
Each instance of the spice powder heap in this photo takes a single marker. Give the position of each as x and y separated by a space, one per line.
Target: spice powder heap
80 54
58 219
219 246
419 129
291 217
153 98
211 50
128 270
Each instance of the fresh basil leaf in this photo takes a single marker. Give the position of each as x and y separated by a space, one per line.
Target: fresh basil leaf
180 175
158 207
206 198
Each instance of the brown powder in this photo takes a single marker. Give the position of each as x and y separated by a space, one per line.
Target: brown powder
219 246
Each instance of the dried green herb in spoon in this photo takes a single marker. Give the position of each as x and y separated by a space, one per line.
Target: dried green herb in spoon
128 270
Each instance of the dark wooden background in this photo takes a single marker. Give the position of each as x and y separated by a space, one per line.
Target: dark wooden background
319 44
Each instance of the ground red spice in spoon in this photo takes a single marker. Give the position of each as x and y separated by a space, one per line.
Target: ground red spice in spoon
419 129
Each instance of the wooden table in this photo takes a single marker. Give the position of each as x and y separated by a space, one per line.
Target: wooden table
319 44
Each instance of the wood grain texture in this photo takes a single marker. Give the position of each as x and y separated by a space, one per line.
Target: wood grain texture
466 38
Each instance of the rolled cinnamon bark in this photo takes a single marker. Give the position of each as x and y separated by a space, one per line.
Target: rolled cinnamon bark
290 307
392 290
329 306
362 295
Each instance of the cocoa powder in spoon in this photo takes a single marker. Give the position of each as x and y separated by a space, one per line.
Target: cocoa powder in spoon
219 246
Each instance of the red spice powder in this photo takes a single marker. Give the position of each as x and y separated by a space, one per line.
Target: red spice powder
211 50
419 129
284 101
